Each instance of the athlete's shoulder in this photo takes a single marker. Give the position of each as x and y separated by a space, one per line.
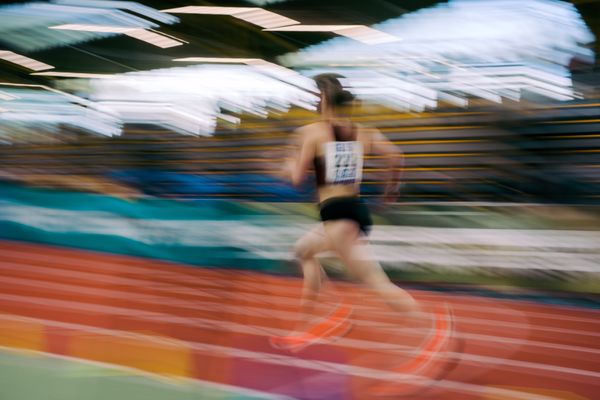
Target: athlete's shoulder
367 133
367 130
311 130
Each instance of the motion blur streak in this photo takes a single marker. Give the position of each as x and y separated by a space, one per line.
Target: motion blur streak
488 49
149 229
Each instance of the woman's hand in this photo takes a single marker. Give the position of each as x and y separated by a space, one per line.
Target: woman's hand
391 192
286 170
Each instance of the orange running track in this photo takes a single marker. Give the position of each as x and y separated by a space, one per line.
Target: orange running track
214 324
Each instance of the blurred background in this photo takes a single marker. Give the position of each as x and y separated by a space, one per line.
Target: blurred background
147 237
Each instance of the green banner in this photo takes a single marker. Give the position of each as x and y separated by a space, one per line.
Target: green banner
201 233
430 244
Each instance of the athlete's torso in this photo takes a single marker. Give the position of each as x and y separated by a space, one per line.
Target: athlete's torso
339 157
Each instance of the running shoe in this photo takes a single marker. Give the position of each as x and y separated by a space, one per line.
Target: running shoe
428 363
328 329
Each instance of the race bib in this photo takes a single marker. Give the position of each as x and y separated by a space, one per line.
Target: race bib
343 162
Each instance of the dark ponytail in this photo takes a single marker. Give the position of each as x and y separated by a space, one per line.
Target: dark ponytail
332 90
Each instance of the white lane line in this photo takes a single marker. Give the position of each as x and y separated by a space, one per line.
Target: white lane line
106 279
236 310
233 327
291 317
220 283
384 313
176 383
320 366
265 299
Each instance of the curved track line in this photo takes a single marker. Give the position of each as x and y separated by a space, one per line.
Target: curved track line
220 293
290 317
321 366
257 330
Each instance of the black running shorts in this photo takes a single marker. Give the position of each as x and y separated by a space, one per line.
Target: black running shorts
351 208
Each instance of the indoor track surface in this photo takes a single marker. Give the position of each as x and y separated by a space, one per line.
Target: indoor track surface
208 330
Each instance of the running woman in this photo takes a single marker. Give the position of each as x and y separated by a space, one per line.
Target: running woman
336 147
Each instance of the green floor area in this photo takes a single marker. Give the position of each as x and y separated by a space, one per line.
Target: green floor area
40 376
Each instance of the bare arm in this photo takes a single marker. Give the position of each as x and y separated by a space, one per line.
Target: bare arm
394 159
301 157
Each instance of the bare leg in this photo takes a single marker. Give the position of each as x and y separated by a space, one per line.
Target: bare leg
360 263
309 331
305 251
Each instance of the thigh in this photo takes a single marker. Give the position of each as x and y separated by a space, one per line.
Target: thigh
313 242
353 248
342 234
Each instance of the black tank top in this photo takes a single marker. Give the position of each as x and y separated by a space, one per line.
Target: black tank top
340 134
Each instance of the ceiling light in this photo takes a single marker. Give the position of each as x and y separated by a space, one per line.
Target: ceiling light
254 15
208 10
154 38
23 61
94 28
24 28
148 36
72 75
253 62
137 8
265 2
361 33
314 28
218 60
367 35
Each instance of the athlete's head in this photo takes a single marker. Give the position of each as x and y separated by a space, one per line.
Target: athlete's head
333 95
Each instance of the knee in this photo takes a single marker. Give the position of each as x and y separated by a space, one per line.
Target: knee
377 280
302 251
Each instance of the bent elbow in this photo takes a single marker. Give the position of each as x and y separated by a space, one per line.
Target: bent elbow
296 181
